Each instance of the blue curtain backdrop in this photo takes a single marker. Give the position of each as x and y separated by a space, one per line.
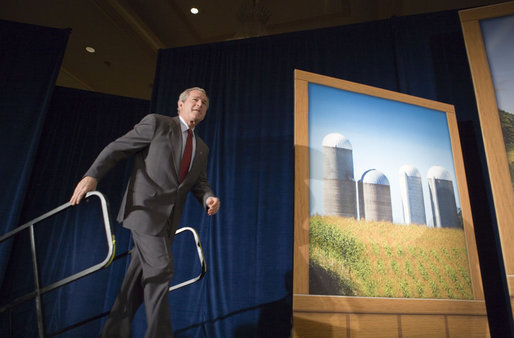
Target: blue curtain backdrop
30 58
249 128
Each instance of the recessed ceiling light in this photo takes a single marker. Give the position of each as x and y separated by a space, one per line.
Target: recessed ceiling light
90 49
194 10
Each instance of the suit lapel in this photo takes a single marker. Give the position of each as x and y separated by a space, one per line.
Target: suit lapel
199 153
176 139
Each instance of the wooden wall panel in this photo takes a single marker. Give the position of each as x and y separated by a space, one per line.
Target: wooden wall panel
352 325
423 326
371 325
468 326
321 325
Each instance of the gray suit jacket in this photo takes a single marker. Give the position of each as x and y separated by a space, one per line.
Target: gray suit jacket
153 197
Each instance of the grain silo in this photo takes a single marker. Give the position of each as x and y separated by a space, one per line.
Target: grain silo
338 181
375 197
442 198
411 191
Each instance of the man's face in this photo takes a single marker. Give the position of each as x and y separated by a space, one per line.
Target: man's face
194 108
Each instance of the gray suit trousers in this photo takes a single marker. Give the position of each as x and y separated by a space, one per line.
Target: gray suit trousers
147 280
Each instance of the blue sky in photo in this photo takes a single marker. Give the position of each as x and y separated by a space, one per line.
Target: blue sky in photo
385 135
498 35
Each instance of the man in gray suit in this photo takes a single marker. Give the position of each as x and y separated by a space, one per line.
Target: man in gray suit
169 161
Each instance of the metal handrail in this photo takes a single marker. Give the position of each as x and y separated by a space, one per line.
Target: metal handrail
171 288
39 291
200 257
111 243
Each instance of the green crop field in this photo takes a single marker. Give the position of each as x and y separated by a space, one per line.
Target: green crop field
382 259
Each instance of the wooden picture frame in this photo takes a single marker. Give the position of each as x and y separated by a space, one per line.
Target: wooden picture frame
491 126
333 315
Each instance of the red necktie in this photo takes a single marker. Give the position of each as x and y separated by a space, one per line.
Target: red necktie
186 158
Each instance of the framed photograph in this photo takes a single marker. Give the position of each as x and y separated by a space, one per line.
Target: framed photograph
382 216
489 37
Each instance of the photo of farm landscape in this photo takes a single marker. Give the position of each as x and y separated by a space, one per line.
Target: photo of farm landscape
385 216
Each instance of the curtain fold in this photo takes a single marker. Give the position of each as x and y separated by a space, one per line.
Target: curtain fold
30 58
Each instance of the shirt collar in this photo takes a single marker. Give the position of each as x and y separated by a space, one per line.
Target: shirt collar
183 125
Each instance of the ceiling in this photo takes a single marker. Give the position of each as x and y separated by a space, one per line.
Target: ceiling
127 34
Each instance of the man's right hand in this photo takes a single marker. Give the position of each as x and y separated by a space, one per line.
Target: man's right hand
85 185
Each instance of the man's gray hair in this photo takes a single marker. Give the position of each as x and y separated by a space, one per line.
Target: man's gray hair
185 94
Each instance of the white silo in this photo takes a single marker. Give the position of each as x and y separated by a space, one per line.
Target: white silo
412 195
442 198
375 197
338 181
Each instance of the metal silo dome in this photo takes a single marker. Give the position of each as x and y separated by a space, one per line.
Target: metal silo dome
374 176
410 171
439 173
336 140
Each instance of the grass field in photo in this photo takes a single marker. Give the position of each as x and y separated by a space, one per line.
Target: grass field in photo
382 259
